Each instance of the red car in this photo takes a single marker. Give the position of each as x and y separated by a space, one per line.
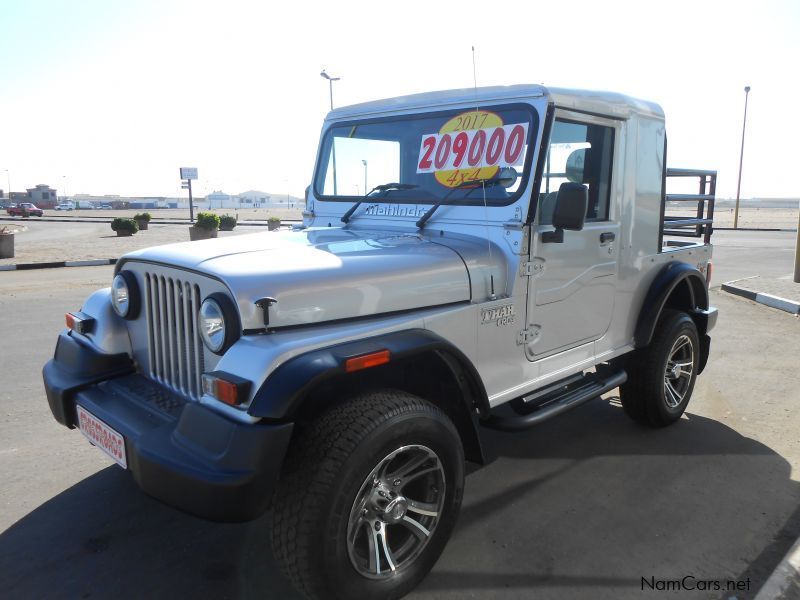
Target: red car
25 209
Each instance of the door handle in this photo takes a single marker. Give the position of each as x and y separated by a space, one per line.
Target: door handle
608 236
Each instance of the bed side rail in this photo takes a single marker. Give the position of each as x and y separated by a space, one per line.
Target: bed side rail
699 223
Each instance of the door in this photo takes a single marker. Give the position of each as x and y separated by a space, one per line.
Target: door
571 290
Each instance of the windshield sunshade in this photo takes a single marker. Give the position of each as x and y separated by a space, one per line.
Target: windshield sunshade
435 154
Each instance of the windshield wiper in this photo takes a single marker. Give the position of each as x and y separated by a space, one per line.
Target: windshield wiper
384 187
474 183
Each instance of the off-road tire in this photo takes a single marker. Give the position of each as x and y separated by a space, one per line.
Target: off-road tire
645 397
324 473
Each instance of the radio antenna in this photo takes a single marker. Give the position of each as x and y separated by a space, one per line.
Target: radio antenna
492 295
474 76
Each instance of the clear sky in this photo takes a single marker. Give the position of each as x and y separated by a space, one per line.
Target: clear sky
112 96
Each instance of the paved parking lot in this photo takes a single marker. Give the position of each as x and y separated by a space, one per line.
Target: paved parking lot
45 241
583 507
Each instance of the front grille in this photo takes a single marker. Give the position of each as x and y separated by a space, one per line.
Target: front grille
174 346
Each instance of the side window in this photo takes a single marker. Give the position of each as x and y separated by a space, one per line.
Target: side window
581 153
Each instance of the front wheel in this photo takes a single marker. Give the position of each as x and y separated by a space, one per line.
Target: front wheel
661 377
368 498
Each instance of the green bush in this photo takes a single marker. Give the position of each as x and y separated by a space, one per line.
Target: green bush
227 221
273 220
120 224
207 220
142 217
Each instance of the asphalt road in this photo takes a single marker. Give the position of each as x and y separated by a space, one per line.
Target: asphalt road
69 232
582 507
48 241
739 254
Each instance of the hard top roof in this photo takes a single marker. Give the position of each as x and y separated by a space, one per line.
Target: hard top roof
597 102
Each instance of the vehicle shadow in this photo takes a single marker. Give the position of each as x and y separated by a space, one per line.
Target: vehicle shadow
104 538
590 504
584 507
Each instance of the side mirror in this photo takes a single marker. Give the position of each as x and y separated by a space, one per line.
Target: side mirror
569 212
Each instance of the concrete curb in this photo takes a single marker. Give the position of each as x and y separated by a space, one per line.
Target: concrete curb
783 304
59 263
69 263
154 221
754 229
260 223
784 583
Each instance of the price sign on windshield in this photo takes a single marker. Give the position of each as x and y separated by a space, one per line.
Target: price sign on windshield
472 145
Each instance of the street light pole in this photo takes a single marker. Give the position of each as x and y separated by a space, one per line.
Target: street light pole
797 253
330 83
8 178
365 176
741 159
330 79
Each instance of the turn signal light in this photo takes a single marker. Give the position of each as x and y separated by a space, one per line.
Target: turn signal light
365 361
79 324
228 389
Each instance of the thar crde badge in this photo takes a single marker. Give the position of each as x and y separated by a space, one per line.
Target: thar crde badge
499 315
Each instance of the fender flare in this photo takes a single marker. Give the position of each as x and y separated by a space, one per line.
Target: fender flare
665 283
281 394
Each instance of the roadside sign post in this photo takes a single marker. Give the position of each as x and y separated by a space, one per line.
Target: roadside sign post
797 252
187 174
187 185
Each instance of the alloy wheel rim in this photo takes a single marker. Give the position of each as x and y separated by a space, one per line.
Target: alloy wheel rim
678 372
396 511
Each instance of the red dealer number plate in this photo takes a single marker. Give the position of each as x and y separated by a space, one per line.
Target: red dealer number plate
102 436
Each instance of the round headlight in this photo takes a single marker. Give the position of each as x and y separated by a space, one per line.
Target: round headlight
125 295
211 322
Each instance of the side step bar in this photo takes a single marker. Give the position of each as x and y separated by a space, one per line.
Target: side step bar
593 387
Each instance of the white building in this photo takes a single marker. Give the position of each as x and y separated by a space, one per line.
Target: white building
256 199
219 199
248 199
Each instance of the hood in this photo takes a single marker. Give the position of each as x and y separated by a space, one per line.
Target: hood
323 274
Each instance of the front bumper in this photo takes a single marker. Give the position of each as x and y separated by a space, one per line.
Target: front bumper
183 453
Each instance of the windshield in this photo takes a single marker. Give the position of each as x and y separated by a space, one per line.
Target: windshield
436 153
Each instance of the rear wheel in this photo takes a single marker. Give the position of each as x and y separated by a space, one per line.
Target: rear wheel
661 377
369 496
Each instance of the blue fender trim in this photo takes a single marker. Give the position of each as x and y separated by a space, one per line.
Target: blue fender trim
281 394
667 280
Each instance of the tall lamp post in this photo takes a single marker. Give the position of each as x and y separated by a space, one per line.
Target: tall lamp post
797 253
364 162
8 178
741 158
330 79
